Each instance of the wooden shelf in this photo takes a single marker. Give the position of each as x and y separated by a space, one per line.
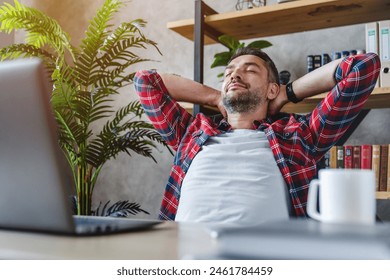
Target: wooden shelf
382 195
380 98
290 17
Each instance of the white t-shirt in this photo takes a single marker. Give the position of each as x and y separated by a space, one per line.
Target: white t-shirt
234 179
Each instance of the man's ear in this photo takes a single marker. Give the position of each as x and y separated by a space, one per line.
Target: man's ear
273 91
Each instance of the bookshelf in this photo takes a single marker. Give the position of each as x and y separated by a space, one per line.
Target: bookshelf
279 19
284 18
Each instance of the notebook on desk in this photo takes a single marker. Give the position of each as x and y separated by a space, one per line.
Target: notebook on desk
34 182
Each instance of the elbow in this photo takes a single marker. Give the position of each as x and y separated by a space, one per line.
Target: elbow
359 72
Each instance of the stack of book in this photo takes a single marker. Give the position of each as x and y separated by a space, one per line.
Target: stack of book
375 157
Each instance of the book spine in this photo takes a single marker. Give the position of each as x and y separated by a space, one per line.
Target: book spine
325 58
383 168
333 157
366 157
388 169
310 65
376 154
317 61
356 159
348 157
340 157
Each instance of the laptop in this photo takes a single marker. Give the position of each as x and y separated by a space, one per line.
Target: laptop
35 182
303 239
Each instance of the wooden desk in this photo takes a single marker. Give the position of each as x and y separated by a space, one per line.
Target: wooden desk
293 239
164 241
158 243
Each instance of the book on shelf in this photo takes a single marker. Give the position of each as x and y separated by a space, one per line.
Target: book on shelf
383 168
384 52
388 170
372 41
366 156
348 157
356 159
333 157
375 157
375 163
317 61
340 157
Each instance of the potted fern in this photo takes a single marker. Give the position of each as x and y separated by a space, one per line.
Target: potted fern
85 79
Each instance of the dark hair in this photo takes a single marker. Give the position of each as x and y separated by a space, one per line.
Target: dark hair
273 75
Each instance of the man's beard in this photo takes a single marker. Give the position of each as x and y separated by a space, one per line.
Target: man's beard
246 102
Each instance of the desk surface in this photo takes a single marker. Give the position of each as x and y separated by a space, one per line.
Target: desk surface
164 241
171 240
135 245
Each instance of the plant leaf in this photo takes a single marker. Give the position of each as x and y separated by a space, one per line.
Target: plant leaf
119 209
229 41
260 44
221 59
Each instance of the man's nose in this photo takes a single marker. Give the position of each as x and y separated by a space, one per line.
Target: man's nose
236 75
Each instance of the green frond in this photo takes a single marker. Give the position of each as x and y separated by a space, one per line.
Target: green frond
64 89
121 135
134 108
122 32
41 28
96 34
71 132
139 146
124 80
119 209
25 50
138 140
114 77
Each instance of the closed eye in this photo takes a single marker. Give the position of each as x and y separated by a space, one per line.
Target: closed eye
251 70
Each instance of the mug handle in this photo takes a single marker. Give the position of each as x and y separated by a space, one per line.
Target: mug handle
312 200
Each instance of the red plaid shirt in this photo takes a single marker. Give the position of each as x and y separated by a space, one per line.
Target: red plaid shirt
298 142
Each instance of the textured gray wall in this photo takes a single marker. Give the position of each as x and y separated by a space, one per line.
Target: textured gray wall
141 180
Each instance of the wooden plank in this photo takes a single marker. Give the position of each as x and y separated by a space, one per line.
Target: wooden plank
380 98
383 195
290 17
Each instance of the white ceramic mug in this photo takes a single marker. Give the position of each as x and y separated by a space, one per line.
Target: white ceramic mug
344 196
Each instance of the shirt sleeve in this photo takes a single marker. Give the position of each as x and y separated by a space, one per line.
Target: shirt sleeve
356 77
166 115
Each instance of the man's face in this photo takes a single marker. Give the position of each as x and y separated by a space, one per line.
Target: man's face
245 84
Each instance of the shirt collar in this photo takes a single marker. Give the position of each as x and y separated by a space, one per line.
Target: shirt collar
257 124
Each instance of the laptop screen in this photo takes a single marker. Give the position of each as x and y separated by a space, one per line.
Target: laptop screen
33 182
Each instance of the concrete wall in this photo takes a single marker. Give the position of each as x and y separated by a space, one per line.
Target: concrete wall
141 180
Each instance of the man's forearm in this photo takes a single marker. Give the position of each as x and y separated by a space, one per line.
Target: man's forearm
186 90
318 81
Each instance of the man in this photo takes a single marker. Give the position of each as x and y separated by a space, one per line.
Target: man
256 164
